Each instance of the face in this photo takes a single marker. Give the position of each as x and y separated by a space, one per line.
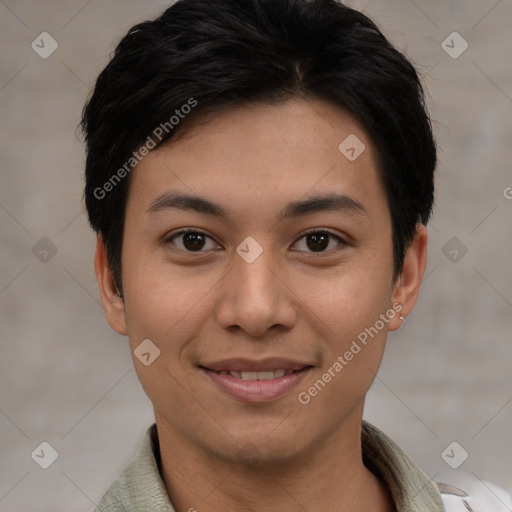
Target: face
268 290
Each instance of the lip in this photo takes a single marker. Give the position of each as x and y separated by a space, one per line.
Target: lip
252 365
256 391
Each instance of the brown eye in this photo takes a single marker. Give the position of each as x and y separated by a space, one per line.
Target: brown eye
192 241
317 242
320 241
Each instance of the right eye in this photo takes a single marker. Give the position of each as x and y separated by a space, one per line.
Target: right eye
192 240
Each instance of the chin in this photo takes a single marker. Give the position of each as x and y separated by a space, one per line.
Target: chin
263 449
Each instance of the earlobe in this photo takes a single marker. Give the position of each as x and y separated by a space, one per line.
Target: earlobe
112 300
408 283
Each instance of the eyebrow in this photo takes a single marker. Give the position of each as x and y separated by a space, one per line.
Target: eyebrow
310 205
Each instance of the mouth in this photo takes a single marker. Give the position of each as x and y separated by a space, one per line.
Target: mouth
255 375
256 381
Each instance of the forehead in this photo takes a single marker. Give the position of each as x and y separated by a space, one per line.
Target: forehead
264 154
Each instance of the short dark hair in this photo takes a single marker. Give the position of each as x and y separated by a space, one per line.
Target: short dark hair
212 54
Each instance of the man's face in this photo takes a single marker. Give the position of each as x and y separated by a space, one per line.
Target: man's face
261 289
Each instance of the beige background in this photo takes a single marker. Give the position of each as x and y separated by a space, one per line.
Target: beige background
65 378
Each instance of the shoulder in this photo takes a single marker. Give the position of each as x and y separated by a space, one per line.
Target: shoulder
139 485
111 500
469 493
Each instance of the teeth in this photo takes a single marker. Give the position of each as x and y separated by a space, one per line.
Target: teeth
265 375
275 374
249 375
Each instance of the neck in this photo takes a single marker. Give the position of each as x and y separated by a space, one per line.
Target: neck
329 477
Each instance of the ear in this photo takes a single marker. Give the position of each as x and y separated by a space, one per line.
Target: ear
407 286
113 304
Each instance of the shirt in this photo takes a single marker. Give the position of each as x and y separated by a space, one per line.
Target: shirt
140 487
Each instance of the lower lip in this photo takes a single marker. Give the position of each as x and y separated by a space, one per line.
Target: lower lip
257 390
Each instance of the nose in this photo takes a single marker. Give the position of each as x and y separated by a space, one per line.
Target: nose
256 297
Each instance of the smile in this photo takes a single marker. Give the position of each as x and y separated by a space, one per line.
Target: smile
256 382
268 375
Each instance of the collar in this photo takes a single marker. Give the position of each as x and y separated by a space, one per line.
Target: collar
411 489
140 485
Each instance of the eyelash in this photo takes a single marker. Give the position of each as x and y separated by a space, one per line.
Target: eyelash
342 243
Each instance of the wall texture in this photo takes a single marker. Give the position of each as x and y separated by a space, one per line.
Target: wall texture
67 380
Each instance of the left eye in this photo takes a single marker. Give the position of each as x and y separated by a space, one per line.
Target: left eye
320 241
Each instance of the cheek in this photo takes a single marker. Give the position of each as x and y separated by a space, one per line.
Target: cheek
163 300
347 309
349 313
350 299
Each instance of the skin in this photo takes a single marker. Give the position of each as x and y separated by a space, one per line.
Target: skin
219 453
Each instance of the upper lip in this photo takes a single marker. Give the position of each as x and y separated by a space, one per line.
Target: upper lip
255 365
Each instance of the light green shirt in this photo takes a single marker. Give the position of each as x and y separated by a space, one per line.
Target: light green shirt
140 488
